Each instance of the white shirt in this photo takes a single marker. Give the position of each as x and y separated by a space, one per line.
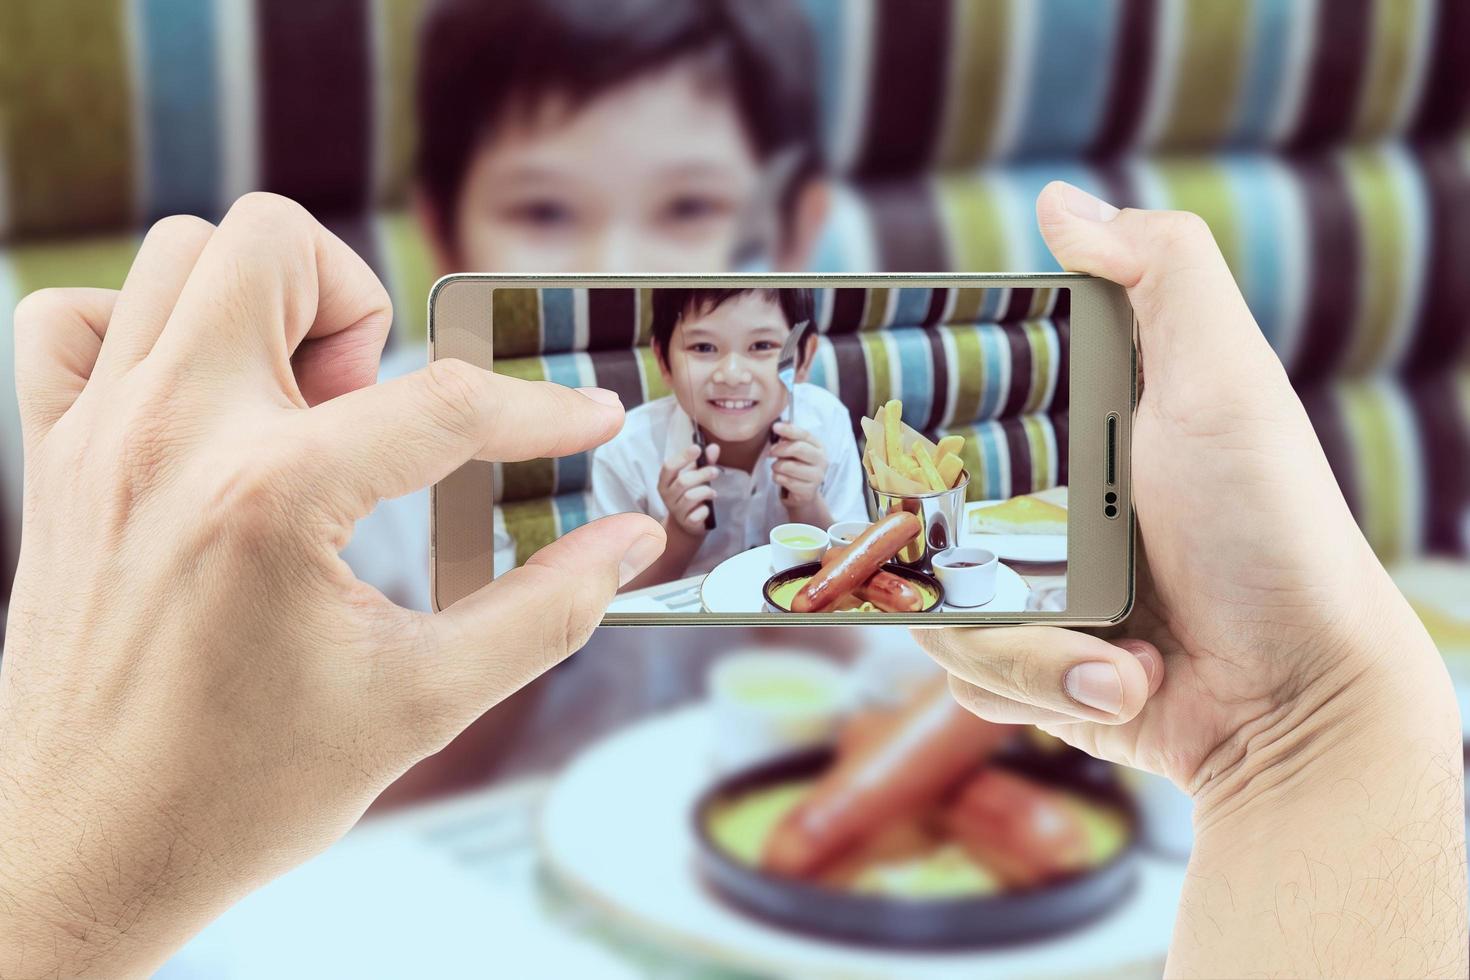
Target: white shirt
625 474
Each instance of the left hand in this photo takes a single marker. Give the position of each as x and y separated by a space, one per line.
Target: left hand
800 464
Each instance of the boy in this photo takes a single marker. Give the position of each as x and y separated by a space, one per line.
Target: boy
717 350
589 136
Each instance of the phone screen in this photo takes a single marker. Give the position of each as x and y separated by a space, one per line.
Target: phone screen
873 450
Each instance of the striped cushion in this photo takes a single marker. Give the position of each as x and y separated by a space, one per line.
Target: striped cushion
188 104
916 86
1017 370
528 321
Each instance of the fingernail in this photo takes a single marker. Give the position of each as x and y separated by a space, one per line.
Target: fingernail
1085 205
1097 685
640 555
602 396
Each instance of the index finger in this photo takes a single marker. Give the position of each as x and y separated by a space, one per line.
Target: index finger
393 438
271 285
676 464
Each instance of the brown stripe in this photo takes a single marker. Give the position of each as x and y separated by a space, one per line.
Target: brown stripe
1322 408
907 226
1061 426
938 300
906 93
1336 74
940 388
1330 297
1133 68
612 318
1020 388
1443 330
1062 320
848 304
1446 446
316 101
617 370
1119 187
852 374
1019 449
1018 306
1446 98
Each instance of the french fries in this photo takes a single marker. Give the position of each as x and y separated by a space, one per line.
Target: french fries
900 460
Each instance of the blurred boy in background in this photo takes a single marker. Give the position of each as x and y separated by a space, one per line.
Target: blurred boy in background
595 136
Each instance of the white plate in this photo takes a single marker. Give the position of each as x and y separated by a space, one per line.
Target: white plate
1015 547
616 830
735 584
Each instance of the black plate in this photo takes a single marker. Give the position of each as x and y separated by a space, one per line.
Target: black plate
811 568
989 920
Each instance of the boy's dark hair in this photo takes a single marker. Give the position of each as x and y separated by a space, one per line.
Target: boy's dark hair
482 60
672 305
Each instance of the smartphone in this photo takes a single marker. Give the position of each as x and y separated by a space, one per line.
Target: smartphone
941 450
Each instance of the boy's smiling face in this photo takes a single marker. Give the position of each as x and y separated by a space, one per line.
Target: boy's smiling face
650 177
722 367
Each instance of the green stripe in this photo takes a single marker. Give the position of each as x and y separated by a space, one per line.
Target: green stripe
67 120
1211 63
1202 187
1041 453
1370 179
533 525
101 262
1041 302
974 225
1377 466
411 269
653 379
1392 41
969 384
645 317
967 305
533 477
979 488
975 86
516 316
1036 339
399 31
880 382
875 314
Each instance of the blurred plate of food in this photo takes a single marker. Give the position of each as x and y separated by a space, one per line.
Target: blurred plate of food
1027 527
923 827
620 829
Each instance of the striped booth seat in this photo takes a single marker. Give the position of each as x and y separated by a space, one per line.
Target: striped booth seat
987 364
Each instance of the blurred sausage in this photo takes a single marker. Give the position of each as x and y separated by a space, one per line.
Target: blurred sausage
1022 831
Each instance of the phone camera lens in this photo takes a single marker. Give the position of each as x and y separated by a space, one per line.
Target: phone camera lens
1110 497
1111 510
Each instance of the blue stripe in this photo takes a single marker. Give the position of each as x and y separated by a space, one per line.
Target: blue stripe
571 511
180 102
563 369
1070 67
915 372
823 304
572 472
1258 216
1268 44
991 436
995 299
912 306
993 351
818 374
558 320
827 18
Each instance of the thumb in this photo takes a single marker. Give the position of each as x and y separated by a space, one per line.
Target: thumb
1191 315
495 641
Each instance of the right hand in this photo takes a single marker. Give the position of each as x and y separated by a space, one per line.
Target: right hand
1259 603
685 489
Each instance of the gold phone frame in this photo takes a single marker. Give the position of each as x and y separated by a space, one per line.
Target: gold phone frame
1103 382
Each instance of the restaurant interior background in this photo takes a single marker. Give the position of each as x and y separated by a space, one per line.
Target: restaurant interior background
1327 144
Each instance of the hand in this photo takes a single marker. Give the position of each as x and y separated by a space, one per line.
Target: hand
800 465
1257 592
686 491
196 692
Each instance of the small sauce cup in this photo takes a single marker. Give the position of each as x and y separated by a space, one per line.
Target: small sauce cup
968 575
844 533
796 544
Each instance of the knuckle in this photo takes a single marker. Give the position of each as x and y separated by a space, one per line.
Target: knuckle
251 499
42 304
180 226
270 209
1170 229
454 393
